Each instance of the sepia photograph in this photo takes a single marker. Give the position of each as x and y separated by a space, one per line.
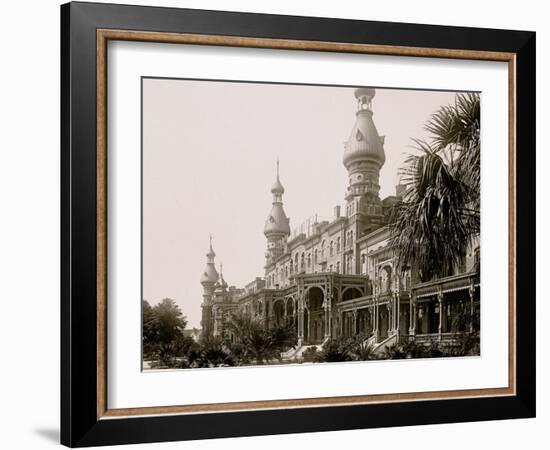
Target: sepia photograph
308 224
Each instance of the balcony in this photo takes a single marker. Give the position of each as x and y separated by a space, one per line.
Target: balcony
448 284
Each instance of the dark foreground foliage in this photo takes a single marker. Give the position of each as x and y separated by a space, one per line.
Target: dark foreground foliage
247 341
358 349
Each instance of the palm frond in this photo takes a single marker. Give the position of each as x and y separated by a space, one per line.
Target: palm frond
439 214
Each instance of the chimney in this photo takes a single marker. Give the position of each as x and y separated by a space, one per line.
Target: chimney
337 212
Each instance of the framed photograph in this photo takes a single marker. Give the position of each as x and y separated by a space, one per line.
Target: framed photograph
276 224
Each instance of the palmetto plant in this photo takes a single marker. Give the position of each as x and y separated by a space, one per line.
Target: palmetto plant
361 349
336 350
434 224
252 338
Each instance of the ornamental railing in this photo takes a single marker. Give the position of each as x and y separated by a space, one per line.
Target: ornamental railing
448 284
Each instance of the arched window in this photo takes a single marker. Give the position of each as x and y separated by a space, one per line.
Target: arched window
291 266
338 267
338 245
331 249
330 268
302 263
315 256
309 260
322 249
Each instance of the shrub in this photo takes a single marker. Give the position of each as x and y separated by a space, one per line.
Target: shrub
311 355
360 349
395 352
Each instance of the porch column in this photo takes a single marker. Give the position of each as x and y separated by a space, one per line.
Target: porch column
354 323
327 309
440 300
376 319
412 312
390 317
372 320
308 325
472 291
399 313
345 324
330 316
300 315
395 313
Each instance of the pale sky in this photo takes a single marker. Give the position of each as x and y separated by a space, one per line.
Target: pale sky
209 159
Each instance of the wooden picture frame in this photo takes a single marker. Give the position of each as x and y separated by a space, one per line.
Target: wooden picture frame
85 416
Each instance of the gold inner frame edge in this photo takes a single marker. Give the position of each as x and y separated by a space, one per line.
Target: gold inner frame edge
103 36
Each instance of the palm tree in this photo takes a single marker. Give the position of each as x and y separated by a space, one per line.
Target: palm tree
432 228
283 336
252 338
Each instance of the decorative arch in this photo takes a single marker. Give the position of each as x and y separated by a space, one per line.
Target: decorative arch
315 320
352 292
320 286
290 299
278 307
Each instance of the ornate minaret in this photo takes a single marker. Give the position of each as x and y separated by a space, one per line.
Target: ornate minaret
277 228
208 281
363 159
364 151
221 285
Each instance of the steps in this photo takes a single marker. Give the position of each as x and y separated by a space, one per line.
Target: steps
303 348
388 342
296 353
290 353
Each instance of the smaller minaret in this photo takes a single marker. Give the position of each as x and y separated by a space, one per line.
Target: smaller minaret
277 228
208 281
222 284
